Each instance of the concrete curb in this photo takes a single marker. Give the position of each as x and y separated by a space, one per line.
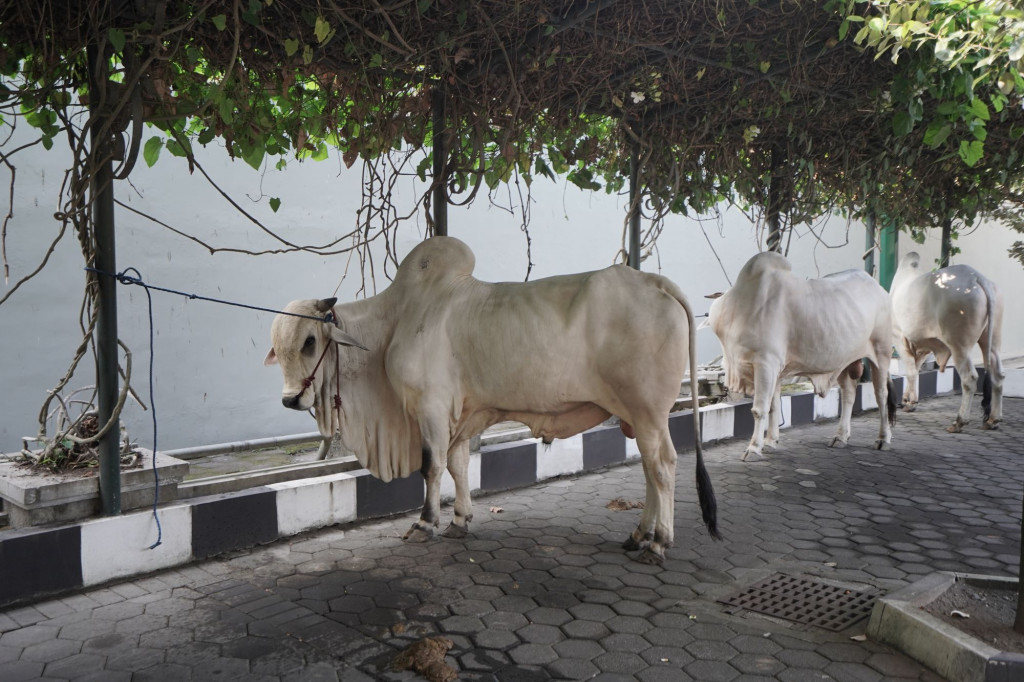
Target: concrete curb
103 549
900 621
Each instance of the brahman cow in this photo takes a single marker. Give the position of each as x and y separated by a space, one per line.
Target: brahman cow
946 312
773 325
448 355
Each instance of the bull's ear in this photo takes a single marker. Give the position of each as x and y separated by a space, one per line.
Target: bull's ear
344 339
271 358
717 294
325 304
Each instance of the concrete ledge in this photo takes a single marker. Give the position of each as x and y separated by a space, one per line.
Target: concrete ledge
900 621
104 549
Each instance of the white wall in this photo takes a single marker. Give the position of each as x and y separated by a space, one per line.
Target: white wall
210 382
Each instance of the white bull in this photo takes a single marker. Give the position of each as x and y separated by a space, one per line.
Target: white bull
774 325
448 355
946 312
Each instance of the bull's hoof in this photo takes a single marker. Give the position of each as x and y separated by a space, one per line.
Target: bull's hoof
417 534
882 445
990 425
752 451
956 427
837 442
908 406
630 545
455 531
651 557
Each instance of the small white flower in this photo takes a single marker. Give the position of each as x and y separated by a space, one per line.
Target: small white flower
751 133
637 97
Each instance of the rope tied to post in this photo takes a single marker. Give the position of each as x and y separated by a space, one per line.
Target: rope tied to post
125 277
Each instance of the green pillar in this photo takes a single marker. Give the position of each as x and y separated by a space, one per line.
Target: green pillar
887 261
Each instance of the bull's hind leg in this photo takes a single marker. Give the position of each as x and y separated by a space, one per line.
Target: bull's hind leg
656 530
774 418
911 364
766 376
968 383
992 402
458 467
847 392
880 382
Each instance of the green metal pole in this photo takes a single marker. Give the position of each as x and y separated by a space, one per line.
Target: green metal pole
107 379
869 244
887 253
634 207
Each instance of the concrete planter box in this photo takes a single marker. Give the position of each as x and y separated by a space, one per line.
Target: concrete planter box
900 621
33 498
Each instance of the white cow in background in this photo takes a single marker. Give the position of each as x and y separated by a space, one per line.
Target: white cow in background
773 324
946 312
447 355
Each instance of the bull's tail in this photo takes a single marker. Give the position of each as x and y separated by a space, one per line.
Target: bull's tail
892 403
705 491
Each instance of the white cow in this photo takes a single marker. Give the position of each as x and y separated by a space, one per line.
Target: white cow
773 325
448 355
946 312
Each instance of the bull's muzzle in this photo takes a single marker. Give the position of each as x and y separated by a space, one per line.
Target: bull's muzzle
292 401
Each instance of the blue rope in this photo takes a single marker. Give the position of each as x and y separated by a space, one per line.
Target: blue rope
152 407
124 278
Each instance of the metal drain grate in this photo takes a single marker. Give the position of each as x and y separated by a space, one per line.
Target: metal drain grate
803 600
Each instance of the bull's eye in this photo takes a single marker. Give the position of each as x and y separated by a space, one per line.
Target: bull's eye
309 347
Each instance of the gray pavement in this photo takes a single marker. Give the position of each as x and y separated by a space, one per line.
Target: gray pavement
541 590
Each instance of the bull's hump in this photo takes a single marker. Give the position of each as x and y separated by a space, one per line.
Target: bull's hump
435 261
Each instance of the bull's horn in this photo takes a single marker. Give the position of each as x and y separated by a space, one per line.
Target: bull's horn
325 304
344 339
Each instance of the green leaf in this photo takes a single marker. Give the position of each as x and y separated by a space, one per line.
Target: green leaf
220 21
937 132
376 60
47 142
151 151
253 155
291 46
322 30
423 5
942 51
971 152
979 109
275 204
307 55
902 123
227 110
1016 50
117 38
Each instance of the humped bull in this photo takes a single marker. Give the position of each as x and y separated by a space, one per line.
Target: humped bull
773 324
407 377
946 312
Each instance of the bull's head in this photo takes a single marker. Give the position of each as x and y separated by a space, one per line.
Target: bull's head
298 344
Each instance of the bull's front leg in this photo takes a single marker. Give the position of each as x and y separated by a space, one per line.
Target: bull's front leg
458 467
765 377
435 460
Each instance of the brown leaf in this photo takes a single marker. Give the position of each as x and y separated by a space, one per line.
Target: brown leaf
622 504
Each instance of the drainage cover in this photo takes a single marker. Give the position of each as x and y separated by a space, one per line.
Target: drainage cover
803 600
